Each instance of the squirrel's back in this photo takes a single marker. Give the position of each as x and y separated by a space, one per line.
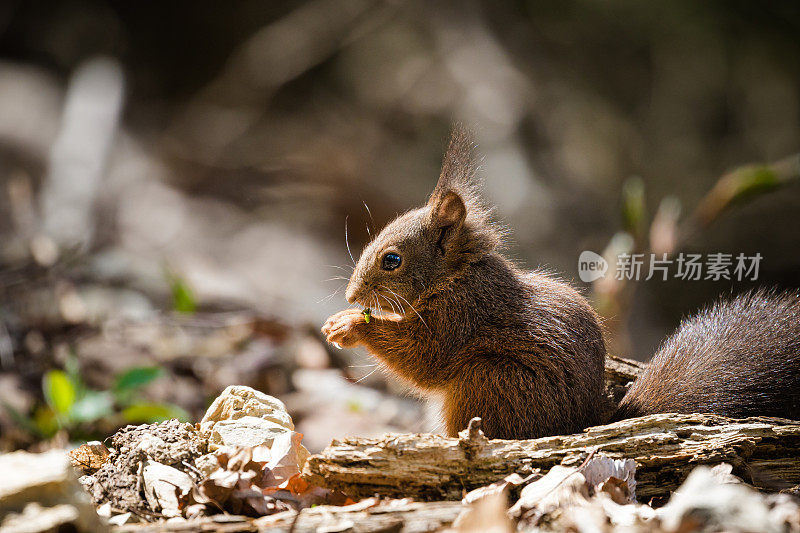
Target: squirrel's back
738 358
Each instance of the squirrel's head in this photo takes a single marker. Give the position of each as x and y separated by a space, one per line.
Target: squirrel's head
423 249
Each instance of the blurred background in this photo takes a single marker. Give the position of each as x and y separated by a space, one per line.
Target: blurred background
175 181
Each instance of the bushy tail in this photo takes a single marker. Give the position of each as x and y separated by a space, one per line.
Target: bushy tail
738 358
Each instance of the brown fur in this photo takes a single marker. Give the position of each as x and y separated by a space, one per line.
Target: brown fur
524 351
465 324
738 358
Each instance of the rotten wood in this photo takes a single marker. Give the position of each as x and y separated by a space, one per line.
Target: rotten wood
621 371
666 447
619 374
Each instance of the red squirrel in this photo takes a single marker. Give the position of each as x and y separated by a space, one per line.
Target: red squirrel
525 351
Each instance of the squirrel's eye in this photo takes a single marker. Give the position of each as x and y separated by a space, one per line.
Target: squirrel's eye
391 261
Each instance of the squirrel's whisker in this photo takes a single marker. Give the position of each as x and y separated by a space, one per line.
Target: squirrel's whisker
400 306
331 295
402 310
370 218
389 302
392 305
362 378
374 298
411 306
347 243
369 213
378 302
341 267
388 299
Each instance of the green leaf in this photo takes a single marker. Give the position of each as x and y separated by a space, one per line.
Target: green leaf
150 413
183 300
751 181
93 406
744 183
59 391
136 377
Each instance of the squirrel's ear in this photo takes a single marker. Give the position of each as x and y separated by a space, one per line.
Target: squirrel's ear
449 211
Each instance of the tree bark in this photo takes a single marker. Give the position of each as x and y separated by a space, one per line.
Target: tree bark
764 452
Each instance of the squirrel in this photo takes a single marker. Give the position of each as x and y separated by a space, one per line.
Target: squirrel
525 351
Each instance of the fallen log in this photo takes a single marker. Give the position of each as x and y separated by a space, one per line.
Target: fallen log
666 447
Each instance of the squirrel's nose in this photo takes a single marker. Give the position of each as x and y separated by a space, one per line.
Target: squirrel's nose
350 294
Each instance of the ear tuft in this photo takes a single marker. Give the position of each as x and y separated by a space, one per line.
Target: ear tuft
456 206
450 211
458 168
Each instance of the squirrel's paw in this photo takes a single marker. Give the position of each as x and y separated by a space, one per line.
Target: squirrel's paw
345 328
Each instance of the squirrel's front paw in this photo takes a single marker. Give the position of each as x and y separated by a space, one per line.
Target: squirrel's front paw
345 328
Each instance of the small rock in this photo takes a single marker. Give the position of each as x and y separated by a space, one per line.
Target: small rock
242 416
247 431
31 477
238 401
162 487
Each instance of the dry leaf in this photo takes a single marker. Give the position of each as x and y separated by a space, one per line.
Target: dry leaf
486 515
498 487
258 481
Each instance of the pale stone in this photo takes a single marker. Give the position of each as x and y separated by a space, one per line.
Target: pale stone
244 417
247 431
238 401
162 486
